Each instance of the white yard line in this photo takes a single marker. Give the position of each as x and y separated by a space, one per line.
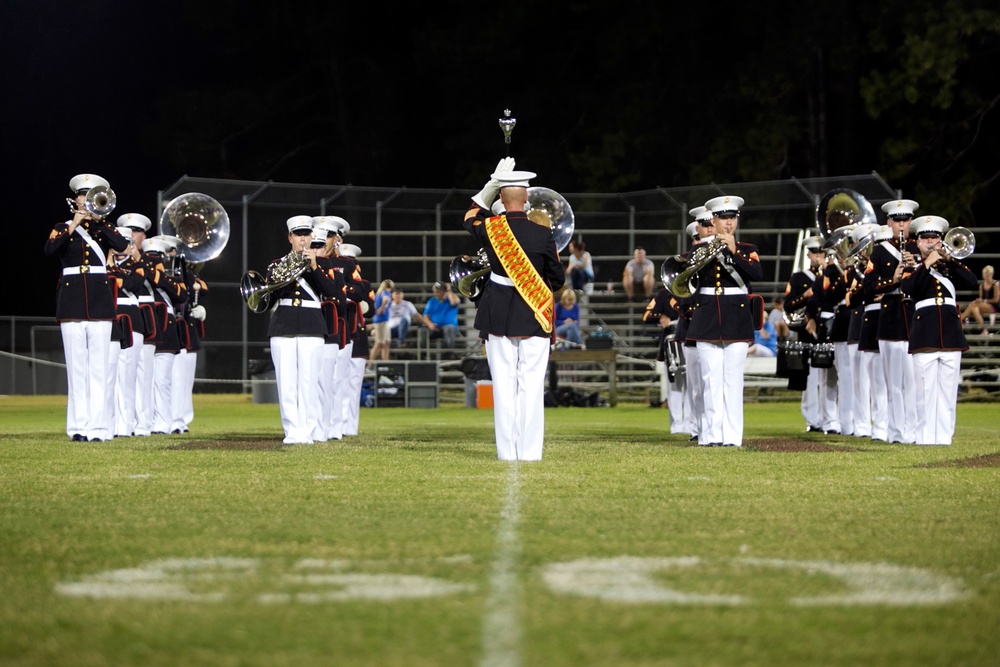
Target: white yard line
501 632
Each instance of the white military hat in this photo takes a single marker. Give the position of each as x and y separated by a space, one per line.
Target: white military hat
724 204
701 214
136 221
692 230
155 244
900 207
884 233
350 250
929 223
83 182
173 242
331 224
298 223
813 243
861 231
514 179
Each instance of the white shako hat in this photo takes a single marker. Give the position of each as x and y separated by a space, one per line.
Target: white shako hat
299 223
701 214
350 250
136 221
861 231
692 230
929 223
813 243
155 244
83 182
724 204
884 233
514 179
332 224
900 207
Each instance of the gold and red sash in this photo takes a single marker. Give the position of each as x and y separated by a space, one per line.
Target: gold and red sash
521 271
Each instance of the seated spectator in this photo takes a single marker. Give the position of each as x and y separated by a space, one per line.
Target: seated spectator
401 312
639 277
580 267
765 341
568 317
441 314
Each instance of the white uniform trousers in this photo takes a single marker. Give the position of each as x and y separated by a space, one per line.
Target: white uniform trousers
85 345
110 405
163 406
722 372
144 403
673 394
341 379
126 388
819 400
327 393
352 404
182 394
296 365
902 399
517 366
862 404
694 399
879 402
845 387
936 377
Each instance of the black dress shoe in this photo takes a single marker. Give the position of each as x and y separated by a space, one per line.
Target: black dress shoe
832 432
78 437
693 438
715 444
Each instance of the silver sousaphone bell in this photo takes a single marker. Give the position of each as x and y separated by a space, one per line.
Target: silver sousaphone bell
546 207
200 222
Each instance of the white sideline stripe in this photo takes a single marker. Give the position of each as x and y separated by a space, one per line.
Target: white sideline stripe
501 631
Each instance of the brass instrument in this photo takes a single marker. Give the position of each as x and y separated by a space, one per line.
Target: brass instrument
469 273
201 224
958 243
679 274
255 288
99 202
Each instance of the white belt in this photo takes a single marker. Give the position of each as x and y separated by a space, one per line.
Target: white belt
938 301
825 314
299 303
76 270
501 280
717 291
128 301
146 299
872 306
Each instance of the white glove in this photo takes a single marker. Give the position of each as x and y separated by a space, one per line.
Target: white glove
198 313
489 192
364 307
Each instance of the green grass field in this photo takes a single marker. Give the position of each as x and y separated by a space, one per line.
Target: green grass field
411 545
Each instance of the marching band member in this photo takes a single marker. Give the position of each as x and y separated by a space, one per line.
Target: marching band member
325 236
886 265
154 318
359 350
868 345
722 325
936 337
170 295
860 385
694 408
515 313
660 311
296 332
352 294
85 309
192 315
129 274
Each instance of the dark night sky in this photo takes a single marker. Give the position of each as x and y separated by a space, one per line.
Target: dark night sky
327 92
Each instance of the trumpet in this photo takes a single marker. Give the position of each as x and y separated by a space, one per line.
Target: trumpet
99 202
